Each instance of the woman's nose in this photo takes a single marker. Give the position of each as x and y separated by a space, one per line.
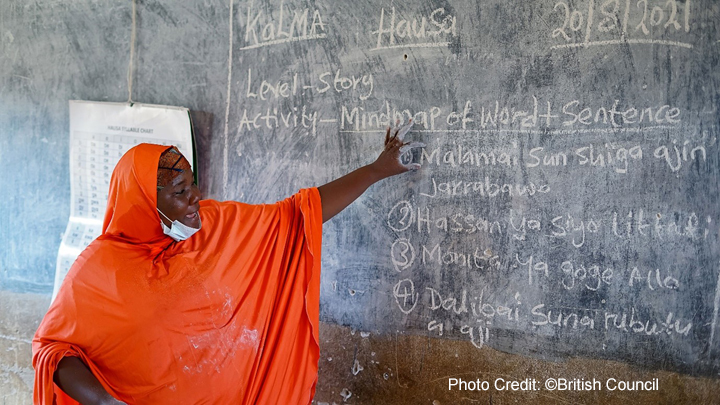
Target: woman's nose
196 195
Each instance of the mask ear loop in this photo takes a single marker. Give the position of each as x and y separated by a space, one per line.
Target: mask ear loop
131 68
161 213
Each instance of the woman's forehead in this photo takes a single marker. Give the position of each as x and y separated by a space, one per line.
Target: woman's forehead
182 178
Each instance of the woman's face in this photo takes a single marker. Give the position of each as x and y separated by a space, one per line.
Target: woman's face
180 200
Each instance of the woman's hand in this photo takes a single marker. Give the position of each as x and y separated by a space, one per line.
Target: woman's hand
389 163
338 194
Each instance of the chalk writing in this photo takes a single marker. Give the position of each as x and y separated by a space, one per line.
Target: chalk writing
483 188
478 335
358 119
405 295
562 317
435 325
462 155
675 158
263 29
287 118
591 278
402 253
427 31
594 276
621 322
484 313
336 81
478 258
654 280
525 117
644 22
635 224
477 306
618 157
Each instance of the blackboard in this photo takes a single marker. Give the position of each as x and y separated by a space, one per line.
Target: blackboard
567 204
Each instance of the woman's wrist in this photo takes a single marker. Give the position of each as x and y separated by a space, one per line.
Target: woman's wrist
375 172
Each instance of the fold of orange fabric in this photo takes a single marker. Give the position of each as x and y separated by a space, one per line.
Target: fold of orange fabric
229 315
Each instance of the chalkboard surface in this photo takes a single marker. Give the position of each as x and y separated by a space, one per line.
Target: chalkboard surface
568 199
567 203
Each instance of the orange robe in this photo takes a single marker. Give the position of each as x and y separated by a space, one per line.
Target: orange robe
228 316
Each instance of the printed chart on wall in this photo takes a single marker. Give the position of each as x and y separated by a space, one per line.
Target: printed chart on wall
100 133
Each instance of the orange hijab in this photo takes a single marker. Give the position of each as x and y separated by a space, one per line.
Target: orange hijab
228 316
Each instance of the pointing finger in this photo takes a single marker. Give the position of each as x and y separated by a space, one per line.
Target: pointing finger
396 129
406 147
404 130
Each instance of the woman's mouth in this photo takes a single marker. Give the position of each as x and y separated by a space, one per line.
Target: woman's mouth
192 216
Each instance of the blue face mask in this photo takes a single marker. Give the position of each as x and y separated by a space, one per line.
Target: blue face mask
177 230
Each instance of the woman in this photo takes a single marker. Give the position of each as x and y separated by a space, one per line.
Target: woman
184 301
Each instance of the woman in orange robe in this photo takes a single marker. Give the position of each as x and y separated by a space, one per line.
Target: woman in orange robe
228 315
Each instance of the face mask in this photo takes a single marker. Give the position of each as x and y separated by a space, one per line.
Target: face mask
177 229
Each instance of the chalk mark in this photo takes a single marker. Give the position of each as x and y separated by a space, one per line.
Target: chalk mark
284 41
227 101
519 131
133 39
397 368
622 41
716 308
189 63
15 339
421 45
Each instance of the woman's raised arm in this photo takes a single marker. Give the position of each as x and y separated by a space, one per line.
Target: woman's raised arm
339 193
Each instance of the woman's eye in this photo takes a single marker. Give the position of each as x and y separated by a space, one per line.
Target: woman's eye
180 192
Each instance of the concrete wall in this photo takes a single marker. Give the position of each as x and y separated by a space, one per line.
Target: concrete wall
20 315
